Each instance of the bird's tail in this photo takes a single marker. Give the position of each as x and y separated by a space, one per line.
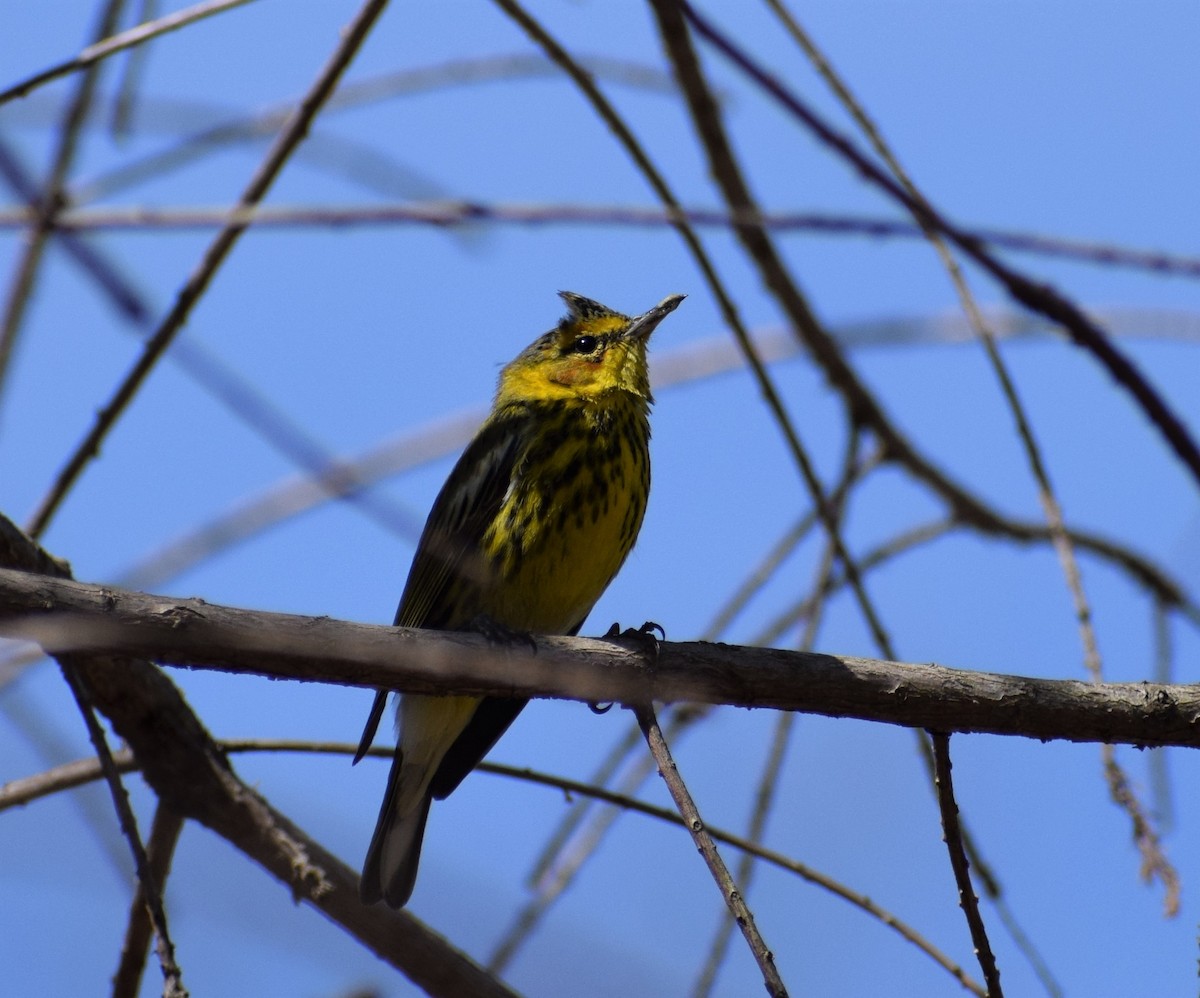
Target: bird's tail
390 869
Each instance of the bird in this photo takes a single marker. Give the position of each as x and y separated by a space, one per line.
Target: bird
532 524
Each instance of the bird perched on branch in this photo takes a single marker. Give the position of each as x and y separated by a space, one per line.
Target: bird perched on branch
534 521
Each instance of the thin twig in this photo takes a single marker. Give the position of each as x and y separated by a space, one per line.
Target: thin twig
905 541
444 213
1145 836
148 885
665 194
566 853
600 777
768 779
1153 858
555 869
160 850
1028 948
120 119
67 776
853 475
48 739
952 834
82 771
1160 783
568 860
1038 297
50 203
704 843
291 135
107 46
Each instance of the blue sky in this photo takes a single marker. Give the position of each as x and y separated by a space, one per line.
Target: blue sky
1069 119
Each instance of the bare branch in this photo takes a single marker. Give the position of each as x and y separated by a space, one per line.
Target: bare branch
695 825
1038 297
50 202
160 849
952 833
1155 864
118 43
82 771
148 885
448 212
188 769
290 136
66 616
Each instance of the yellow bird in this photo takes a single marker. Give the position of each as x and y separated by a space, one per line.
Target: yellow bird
534 521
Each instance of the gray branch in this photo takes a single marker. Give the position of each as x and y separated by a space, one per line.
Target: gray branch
69 617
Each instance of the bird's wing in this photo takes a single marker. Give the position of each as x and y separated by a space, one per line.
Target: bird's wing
447 572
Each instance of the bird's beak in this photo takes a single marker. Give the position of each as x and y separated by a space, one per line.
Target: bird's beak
644 324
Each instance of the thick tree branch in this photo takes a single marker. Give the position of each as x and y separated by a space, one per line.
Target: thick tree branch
189 771
70 618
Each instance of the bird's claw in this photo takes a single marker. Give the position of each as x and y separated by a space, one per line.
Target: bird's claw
643 637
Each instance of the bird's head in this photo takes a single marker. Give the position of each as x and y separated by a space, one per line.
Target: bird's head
591 353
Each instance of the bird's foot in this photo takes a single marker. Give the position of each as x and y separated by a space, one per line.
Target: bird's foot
642 636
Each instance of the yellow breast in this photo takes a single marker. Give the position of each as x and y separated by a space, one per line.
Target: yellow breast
571 516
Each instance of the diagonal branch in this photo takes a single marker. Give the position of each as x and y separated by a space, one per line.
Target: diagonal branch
736 903
149 889
73 774
1144 832
1037 297
952 834
293 132
50 203
105 47
160 849
189 772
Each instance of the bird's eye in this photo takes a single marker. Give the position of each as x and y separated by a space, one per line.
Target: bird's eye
583 344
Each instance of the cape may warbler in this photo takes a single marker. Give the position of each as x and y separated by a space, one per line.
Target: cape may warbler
530 527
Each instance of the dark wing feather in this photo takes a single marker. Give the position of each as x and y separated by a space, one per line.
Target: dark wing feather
490 720
447 574
372 725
